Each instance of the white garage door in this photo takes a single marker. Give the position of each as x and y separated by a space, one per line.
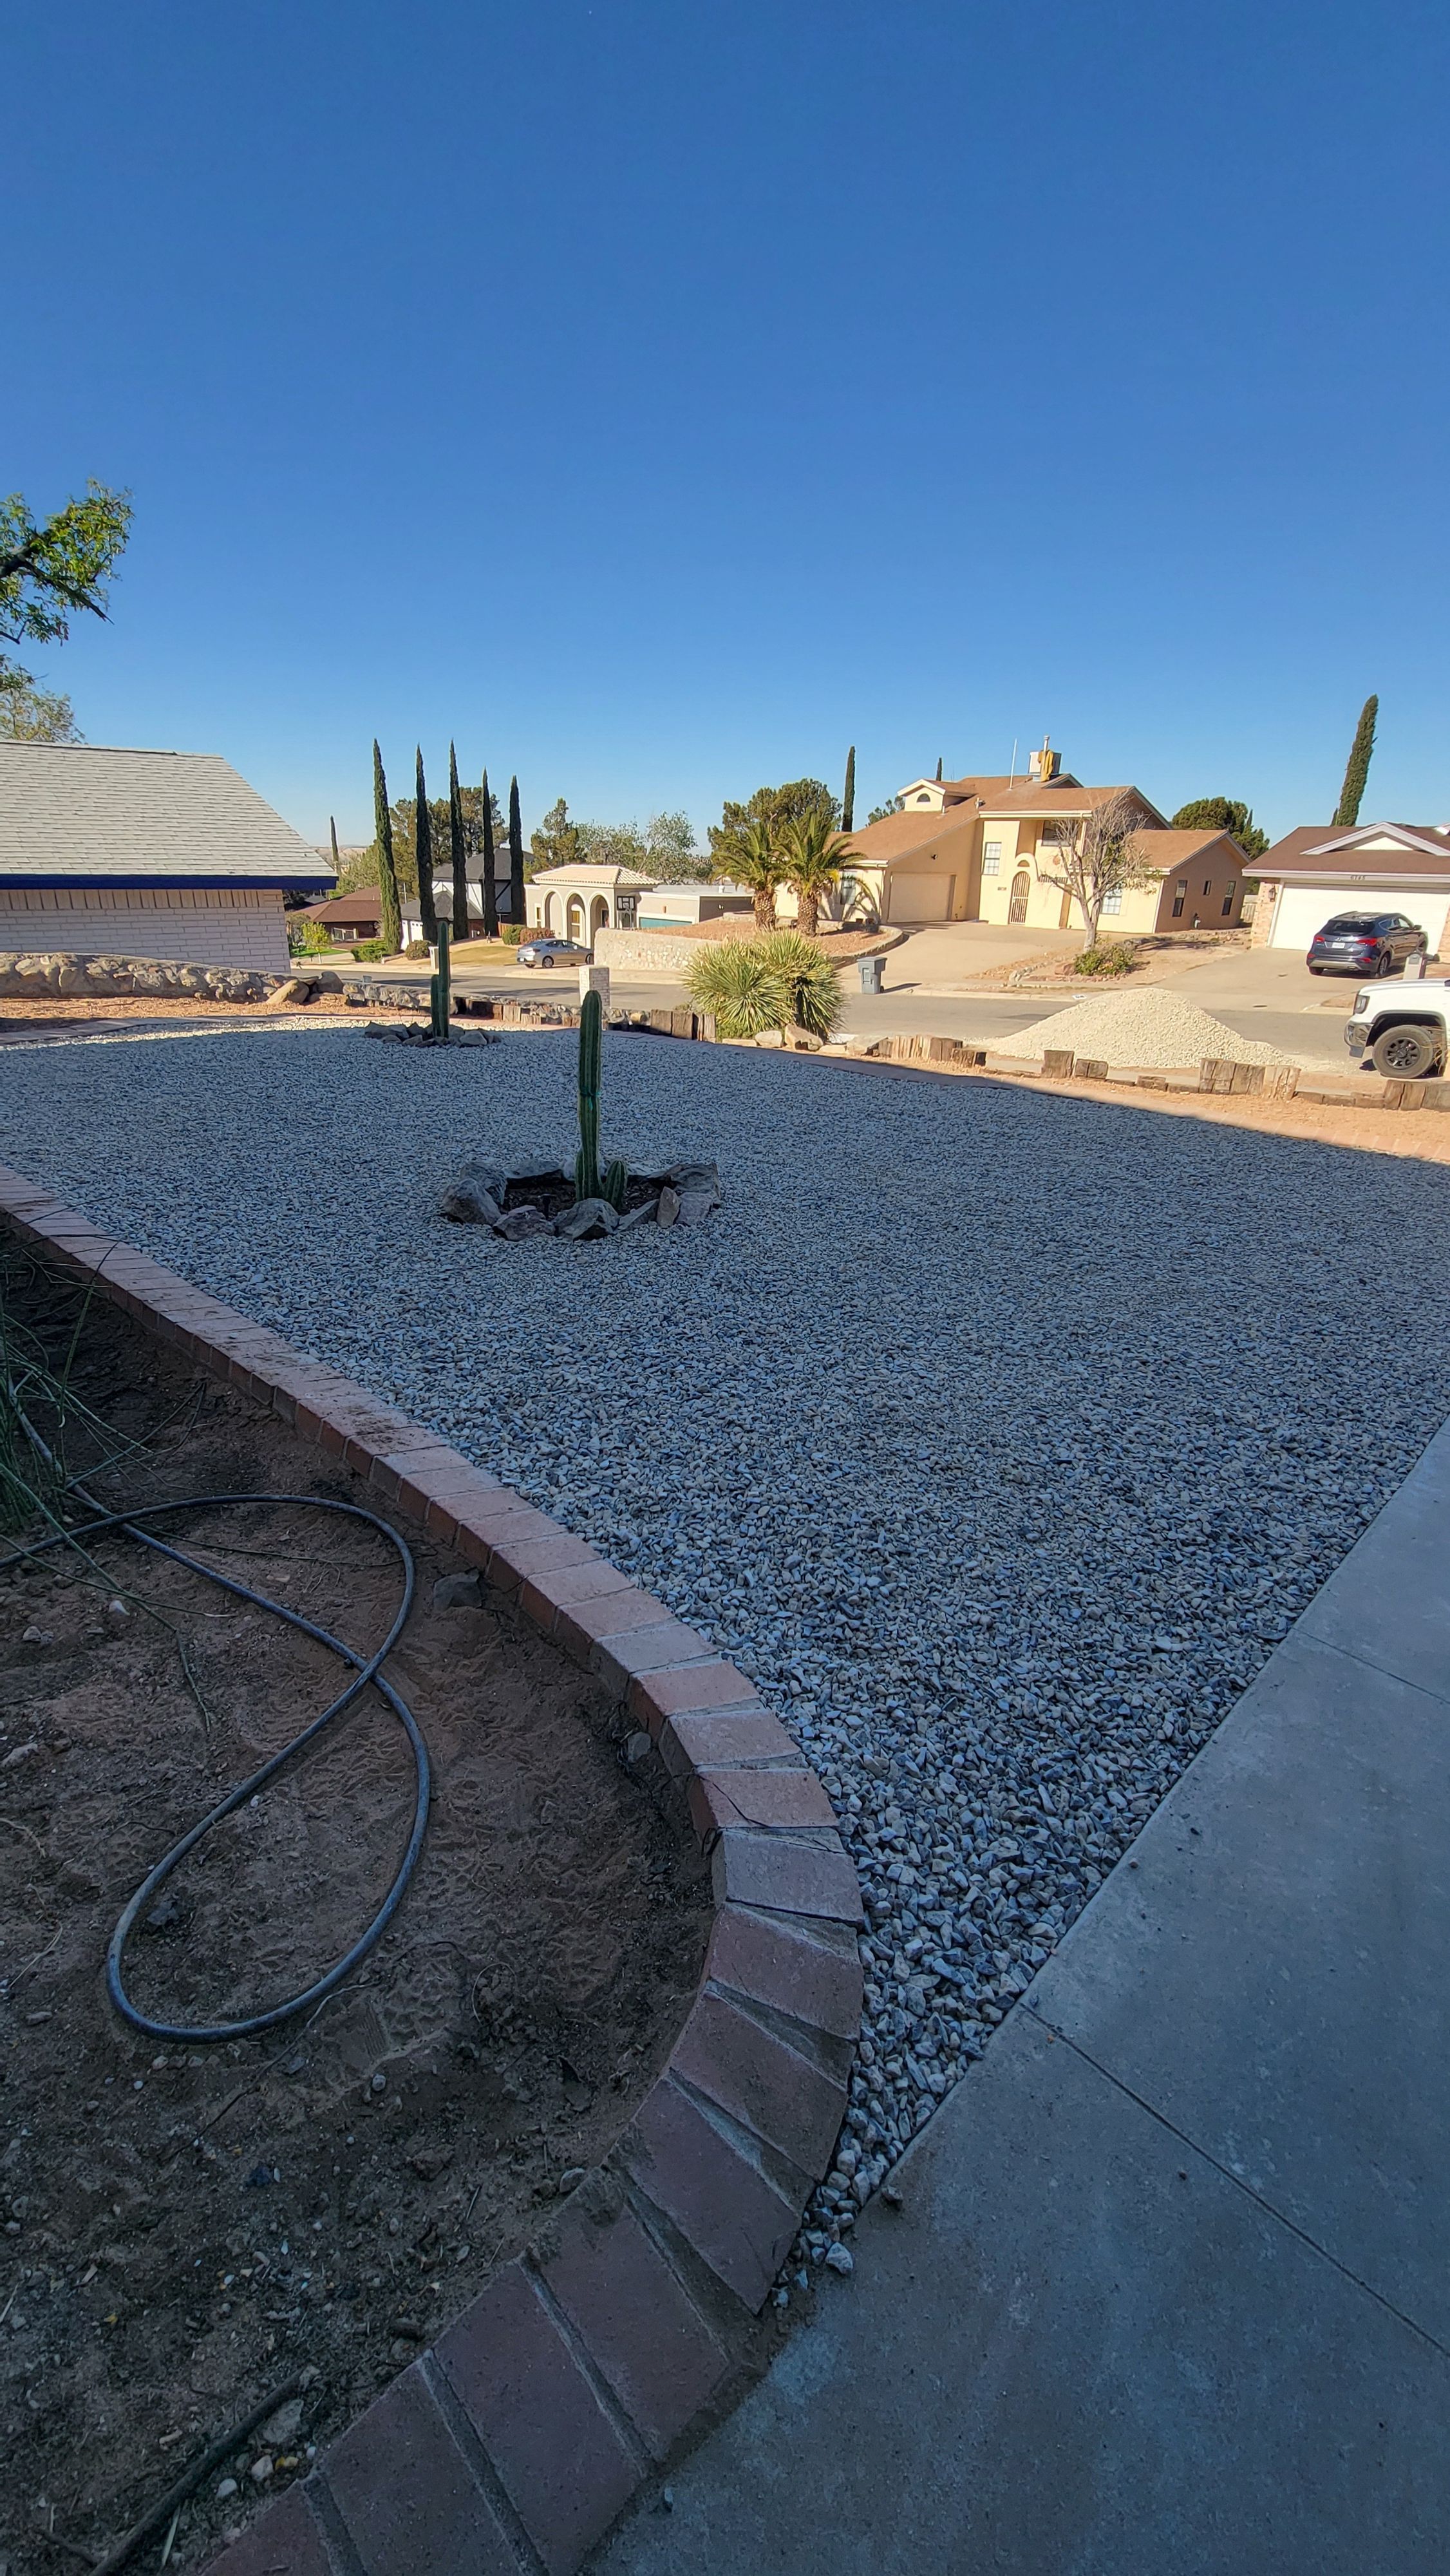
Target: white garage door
1305 909
920 898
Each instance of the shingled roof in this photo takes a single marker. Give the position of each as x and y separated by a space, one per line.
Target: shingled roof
74 815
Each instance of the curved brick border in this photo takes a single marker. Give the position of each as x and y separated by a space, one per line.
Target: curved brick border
512 2443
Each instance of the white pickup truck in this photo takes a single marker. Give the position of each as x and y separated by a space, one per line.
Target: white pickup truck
1404 1029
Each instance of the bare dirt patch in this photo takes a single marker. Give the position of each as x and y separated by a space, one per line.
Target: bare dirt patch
186 2226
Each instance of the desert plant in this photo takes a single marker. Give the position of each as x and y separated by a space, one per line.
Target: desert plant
440 989
1114 958
811 856
779 982
805 984
755 862
589 1181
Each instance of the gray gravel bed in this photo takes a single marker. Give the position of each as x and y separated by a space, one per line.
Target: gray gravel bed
998 1436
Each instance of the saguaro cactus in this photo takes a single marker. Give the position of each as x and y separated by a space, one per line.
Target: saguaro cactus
589 1182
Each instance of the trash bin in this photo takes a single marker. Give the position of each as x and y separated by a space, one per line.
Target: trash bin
869 970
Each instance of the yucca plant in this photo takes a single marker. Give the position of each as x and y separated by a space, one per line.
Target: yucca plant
779 982
806 986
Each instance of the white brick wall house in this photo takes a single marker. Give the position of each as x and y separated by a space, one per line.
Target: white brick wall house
161 854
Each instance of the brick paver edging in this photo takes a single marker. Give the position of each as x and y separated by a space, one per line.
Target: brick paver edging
509 2447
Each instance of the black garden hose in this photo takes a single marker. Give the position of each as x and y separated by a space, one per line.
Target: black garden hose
367 1670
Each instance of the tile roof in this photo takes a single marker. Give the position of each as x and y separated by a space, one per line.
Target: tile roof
364 905
898 834
73 814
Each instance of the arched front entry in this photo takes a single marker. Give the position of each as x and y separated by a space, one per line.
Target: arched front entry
575 921
1017 907
598 915
549 920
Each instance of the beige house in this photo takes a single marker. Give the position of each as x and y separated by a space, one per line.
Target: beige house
574 902
1320 869
984 849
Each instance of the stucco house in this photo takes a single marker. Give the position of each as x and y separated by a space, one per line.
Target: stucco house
1319 869
164 854
979 849
575 901
664 907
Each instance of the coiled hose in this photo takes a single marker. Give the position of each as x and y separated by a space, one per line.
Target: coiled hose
367 1672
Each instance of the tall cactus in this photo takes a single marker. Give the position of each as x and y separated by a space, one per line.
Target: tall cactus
440 990
589 1182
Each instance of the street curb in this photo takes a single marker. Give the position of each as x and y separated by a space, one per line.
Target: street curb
513 2443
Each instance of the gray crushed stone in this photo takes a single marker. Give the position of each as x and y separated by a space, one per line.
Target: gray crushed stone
998 1438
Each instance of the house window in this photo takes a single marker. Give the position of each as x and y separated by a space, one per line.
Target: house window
1208 885
991 858
1113 899
1228 901
1180 890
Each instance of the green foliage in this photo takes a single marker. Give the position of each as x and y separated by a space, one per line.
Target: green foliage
554 843
457 849
511 933
1223 814
51 568
516 856
32 714
774 807
805 980
390 918
369 952
879 813
1356 773
490 888
1114 957
440 989
781 981
306 938
848 793
812 853
416 948
424 863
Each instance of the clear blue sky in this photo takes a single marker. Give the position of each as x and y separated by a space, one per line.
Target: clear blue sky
659 397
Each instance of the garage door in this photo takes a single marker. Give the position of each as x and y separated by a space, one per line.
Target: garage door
920 898
1305 909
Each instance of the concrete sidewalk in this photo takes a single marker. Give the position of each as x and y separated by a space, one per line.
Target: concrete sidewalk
1171 2287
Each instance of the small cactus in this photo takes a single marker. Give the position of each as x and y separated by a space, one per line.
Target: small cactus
589 1182
440 990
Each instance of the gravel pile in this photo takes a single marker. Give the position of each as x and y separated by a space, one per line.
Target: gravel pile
1153 1031
998 1453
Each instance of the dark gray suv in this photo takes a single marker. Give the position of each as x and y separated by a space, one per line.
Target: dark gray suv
1365 943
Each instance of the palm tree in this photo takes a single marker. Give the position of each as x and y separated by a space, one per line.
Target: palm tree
812 856
755 862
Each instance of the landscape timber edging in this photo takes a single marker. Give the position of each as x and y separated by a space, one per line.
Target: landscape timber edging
512 2443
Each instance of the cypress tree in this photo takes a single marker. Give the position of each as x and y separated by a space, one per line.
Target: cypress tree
1357 767
516 856
457 849
423 843
848 801
490 891
390 916
336 859
938 771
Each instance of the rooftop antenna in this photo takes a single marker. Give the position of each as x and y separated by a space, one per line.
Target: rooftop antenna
1012 780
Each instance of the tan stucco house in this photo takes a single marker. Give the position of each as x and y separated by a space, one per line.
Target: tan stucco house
1320 869
979 849
575 901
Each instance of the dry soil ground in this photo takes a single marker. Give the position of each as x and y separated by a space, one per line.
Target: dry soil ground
187 2225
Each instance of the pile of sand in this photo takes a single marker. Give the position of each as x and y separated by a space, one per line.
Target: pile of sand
1148 1029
